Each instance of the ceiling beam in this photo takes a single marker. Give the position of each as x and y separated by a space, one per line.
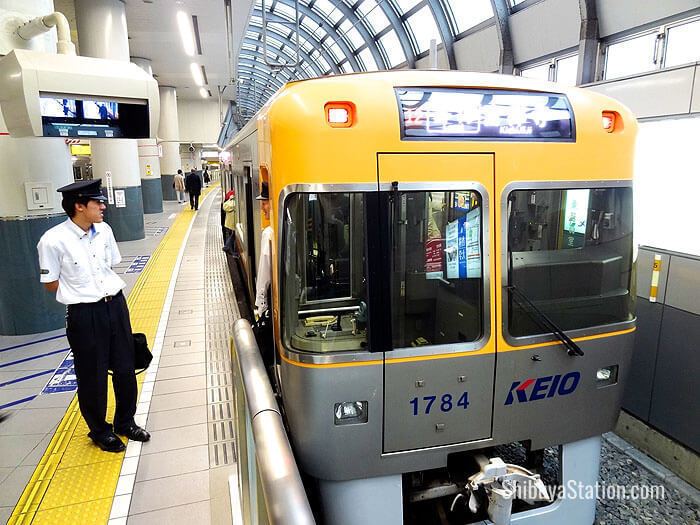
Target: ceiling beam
588 42
505 42
445 32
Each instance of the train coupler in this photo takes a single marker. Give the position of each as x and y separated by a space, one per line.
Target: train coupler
501 483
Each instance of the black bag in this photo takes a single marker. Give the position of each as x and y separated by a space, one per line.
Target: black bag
142 355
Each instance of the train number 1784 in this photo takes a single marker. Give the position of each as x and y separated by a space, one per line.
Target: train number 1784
444 402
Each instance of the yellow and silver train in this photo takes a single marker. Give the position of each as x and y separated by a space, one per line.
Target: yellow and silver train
452 271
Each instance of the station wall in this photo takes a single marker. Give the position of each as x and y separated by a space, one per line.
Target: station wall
198 120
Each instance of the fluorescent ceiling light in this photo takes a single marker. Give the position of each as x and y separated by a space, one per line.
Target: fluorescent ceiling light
197 74
186 33
204 92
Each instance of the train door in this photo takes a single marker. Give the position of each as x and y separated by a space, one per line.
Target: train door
439 361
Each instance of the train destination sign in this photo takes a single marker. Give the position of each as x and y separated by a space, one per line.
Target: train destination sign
444 113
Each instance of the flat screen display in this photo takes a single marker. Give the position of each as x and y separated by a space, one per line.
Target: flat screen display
100 110
73 117
445 113
58 107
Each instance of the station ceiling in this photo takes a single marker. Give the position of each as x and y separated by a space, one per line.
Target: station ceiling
247 56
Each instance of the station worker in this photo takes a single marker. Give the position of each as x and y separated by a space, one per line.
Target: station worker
265 264
76 259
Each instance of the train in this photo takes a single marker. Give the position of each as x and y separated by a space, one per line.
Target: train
452 272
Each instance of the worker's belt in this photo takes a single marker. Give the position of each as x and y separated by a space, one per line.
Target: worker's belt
108 298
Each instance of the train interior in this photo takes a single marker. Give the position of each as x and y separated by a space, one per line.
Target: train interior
555 237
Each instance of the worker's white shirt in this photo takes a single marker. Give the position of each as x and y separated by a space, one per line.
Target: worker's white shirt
264 271
80 261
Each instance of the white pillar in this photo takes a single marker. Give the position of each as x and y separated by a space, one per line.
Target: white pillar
25 306
169 136
102 34
149 161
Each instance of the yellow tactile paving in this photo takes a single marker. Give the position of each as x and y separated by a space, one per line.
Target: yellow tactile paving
89 512
75 481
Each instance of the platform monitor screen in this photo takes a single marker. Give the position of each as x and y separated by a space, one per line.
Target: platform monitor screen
478 114
65 116
100 110
58 107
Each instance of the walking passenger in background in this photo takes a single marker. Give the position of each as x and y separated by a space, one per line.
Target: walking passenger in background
193 186
179 186
206 177
229 207
75 261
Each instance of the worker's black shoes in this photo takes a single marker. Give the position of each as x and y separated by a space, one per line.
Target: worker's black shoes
134 433
109 442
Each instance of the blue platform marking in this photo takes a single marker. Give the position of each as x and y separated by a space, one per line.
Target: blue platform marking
138 265
29 343
26 378
64 380
33 357
13 403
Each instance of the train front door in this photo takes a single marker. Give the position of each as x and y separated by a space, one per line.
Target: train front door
436 215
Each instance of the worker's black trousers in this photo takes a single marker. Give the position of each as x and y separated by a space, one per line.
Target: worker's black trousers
100 337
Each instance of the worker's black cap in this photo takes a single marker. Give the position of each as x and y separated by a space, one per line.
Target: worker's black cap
264 192
84 188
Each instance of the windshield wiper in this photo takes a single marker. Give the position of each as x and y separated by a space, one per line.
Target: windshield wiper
543 321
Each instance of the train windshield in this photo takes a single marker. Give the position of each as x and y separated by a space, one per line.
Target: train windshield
325 307
570 256
437 268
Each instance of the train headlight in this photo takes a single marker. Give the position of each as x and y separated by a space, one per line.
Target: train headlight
340 114
350 412
606 376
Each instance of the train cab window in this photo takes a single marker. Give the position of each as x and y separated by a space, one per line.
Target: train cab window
569 258
437 268
325 305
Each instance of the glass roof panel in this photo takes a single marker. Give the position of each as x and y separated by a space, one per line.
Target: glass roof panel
336 51
368 60
424 28
352 34
374 15
393 50
322 63
468 14
346 67
327 10
284 9
407 5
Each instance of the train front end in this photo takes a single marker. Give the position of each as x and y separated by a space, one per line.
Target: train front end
453 281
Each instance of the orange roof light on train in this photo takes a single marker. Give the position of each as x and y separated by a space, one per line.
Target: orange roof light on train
340 114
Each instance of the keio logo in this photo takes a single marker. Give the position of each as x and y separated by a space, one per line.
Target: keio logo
547 386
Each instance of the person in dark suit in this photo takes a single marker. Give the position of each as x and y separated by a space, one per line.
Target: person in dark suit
193 186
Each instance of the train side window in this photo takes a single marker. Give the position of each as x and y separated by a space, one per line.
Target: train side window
325 304
570 254
437 270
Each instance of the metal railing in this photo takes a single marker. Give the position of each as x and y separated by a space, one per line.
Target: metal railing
269 483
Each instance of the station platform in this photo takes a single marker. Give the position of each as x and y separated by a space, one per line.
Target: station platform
180 294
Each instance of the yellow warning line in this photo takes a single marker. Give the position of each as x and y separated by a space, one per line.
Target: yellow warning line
75 481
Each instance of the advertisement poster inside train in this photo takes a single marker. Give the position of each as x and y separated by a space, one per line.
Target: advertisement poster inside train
473 243
456 249
434 248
